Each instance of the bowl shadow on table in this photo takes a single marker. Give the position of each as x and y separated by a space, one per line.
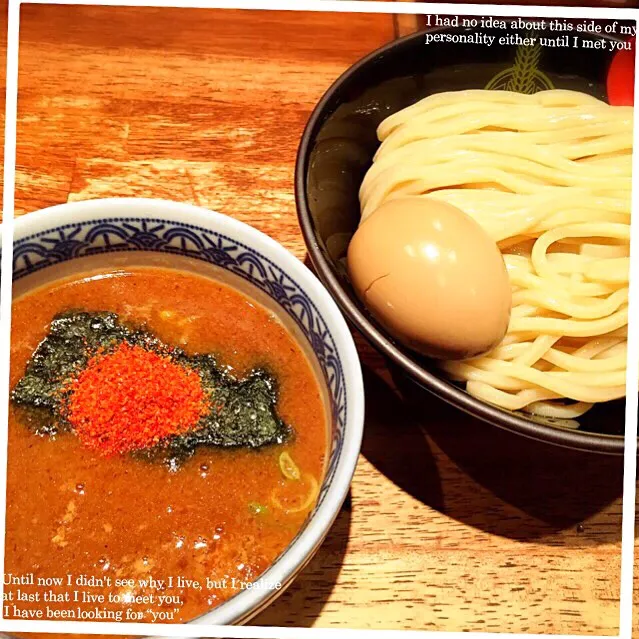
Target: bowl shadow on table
303 601
481 475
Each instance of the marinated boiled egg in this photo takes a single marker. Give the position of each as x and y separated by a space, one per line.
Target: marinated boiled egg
432 276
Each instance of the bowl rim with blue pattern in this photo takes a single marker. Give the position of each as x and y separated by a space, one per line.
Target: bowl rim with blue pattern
67 232
359 77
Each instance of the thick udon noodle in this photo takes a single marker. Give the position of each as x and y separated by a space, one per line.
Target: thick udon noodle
548 176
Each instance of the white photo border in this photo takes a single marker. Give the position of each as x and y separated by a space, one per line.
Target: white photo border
6 267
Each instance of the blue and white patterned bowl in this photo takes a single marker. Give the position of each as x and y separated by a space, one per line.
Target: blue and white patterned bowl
70 232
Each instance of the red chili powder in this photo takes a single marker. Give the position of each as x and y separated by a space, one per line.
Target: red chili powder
132 399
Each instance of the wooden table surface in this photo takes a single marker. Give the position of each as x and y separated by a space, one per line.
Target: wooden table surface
450 524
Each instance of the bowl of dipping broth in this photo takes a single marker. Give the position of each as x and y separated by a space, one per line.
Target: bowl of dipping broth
468 207
184 388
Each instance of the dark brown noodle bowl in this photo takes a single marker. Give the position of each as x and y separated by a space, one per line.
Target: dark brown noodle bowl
337 148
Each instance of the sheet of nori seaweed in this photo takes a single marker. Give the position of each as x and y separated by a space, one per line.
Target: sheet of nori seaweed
243 410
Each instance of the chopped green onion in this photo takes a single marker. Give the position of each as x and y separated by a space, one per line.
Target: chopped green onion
257 509
288 467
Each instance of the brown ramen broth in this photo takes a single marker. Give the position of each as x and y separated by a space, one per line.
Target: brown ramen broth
225 514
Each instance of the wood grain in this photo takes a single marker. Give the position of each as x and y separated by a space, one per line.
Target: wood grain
451 524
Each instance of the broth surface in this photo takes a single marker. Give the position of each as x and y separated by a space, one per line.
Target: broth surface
71 511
